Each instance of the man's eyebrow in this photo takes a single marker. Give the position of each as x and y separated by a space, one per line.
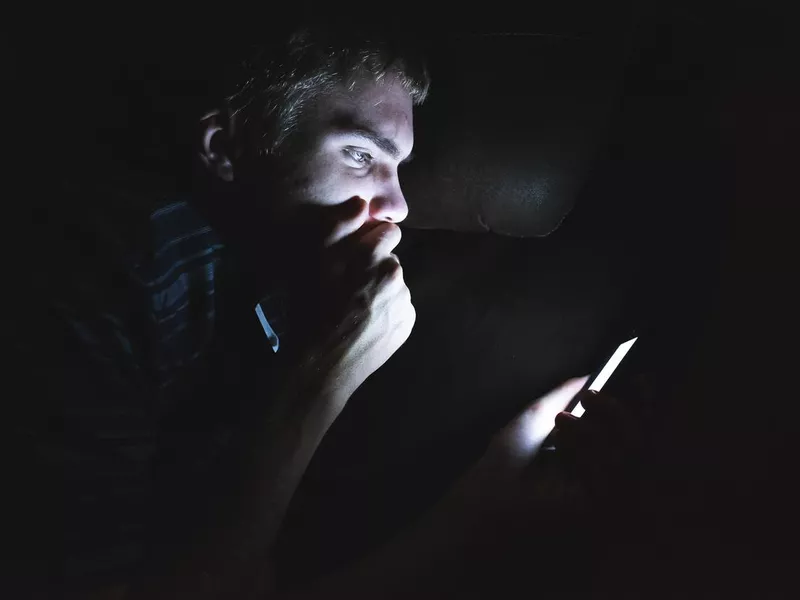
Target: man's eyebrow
345 125
383 143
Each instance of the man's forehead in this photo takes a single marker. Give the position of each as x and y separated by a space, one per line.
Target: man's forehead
383 108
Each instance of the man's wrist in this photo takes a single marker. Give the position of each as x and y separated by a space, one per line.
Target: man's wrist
314 390
331 398
323 380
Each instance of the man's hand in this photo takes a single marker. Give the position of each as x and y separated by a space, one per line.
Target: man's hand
497 506
501 482
604 445
365 310
505 504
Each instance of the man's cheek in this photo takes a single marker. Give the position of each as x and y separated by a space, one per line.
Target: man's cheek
336 187
320 186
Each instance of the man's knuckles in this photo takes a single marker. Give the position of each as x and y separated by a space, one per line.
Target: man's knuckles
380 241
346 219
390 268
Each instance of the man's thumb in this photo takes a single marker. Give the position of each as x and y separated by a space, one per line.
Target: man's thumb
522 438
344 220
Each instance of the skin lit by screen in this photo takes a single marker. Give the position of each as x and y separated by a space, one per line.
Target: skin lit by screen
606 372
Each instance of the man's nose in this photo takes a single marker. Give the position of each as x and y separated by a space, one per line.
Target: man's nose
390 205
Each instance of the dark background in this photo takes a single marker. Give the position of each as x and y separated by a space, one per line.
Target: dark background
683 221
696 150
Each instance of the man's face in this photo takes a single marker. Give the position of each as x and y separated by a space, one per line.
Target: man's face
351 146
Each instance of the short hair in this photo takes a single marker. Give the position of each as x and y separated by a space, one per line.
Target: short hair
280 80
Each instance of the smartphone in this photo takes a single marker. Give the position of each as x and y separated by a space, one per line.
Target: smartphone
595 383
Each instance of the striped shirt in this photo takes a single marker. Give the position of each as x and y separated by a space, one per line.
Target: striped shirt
138 354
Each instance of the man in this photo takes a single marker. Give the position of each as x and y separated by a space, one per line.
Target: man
179 383
159 356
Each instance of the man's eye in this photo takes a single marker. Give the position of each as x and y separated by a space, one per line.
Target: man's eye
359 156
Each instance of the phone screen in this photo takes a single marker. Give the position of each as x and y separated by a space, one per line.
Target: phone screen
605 373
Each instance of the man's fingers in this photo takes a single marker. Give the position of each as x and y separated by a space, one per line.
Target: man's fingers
378 243
344 220
384 239
371 246
329 225
523 436
591 449
389 268
565 419
610 414
603 444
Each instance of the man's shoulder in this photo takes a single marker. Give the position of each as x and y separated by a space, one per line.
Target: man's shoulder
146 261
110 334
141 226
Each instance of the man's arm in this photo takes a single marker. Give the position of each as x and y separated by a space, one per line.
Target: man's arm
232 558
229 556
495 513
81 439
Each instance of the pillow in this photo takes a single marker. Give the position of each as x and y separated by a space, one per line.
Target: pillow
509 131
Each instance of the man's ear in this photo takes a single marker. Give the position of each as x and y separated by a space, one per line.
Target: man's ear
219 143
